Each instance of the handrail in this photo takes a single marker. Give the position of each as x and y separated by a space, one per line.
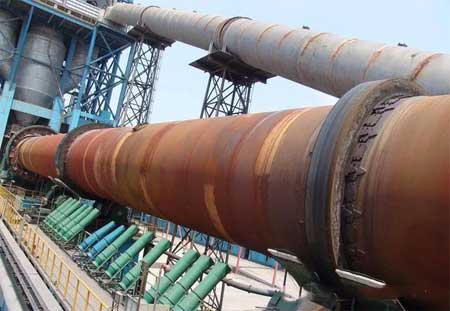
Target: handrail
69 285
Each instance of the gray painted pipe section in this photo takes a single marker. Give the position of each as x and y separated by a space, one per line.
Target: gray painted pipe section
323 61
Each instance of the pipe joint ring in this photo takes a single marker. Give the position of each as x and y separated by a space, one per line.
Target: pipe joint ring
64 146
221 31
330 164
11 159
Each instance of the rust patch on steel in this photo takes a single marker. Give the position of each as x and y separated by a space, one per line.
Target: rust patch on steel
310 41
199 19
149 154
209 22
261 35
270 146
115 154
285 36
83 165
373 58
419 68
335 54
243 29
213 213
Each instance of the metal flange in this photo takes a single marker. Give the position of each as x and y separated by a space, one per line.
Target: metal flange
64 146
330 160
10 158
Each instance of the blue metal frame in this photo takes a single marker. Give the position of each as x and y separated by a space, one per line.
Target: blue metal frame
45 8
9 87
123 91
76 112
100 76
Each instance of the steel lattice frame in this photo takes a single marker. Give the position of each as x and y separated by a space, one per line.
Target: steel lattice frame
139 98
102 74
225 96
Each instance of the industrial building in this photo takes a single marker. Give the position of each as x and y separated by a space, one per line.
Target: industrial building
342 207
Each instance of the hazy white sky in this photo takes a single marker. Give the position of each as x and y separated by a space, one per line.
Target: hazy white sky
180 89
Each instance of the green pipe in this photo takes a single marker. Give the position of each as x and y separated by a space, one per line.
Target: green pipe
73 212
150 258
70 215
75 220
112 249
73 206
60 199
128 255
80 225
179 289
172 276
192 301
60 209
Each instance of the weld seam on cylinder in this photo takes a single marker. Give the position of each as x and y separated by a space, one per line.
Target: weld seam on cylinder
422 65
147 161
372 60
304 48
334 56
64 147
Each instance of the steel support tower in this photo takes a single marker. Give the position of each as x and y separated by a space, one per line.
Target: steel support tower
230 84
137 106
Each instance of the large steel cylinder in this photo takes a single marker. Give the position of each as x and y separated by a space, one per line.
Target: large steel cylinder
404 202
37 157
323 61
39 70
217 168
8 37
258 180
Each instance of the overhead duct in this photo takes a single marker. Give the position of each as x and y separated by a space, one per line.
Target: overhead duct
323 61
38 77
8 37
362 186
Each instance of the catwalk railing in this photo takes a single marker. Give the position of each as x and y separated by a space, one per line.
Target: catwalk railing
68 284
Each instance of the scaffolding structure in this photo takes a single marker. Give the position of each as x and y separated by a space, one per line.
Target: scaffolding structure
115 84
230 84
139 97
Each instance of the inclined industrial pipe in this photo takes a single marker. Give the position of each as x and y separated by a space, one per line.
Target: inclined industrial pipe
364 187
323 61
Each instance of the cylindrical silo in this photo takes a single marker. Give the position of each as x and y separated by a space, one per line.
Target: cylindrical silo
38 77
8 37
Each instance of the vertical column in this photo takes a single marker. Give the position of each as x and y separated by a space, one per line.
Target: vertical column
76 110
125 82
136 107
58 102
9 87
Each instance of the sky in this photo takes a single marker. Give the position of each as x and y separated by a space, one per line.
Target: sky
180 88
